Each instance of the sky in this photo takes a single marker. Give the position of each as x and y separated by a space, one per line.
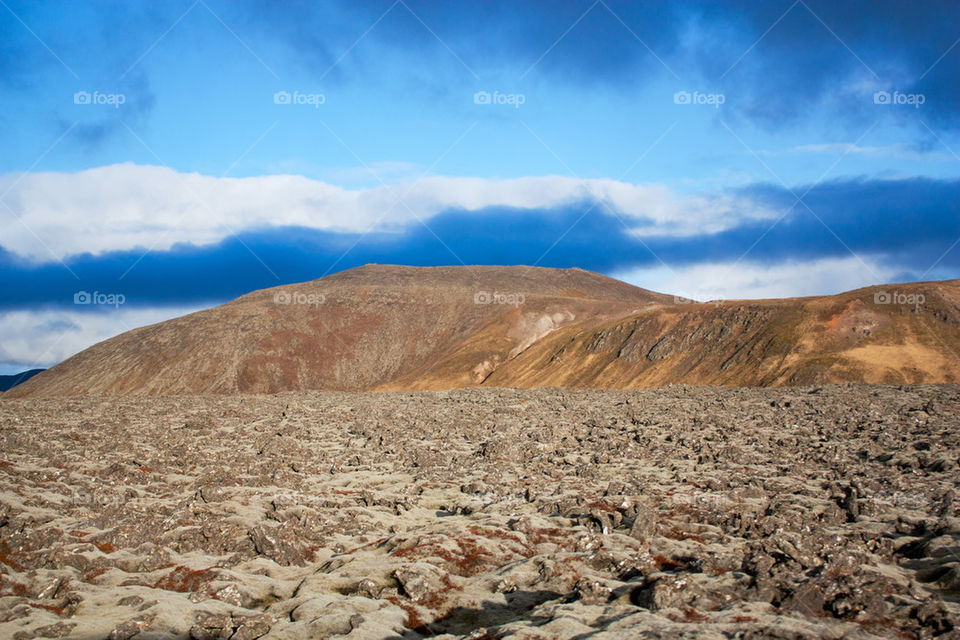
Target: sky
160 158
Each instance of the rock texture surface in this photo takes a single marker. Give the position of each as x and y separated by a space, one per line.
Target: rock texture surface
433 328
810 512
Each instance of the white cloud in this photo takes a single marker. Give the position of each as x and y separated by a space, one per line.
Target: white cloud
719 281
123 206
886 151
43 338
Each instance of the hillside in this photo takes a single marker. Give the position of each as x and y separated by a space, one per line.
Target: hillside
383 327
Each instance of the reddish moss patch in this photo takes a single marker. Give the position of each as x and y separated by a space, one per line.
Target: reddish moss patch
375 543
559 537
414 621
603 506
495 534
684 510
692 615
105 547
92 574
675 533
666 564
470 558
7 560
16 589
60 611
184 579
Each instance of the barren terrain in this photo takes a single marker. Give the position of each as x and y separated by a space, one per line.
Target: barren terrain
805 512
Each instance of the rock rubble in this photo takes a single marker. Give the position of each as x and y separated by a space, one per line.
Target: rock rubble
680 512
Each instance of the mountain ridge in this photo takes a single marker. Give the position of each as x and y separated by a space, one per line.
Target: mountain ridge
399 328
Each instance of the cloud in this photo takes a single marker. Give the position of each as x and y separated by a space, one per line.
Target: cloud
120 207
42 338
777 61
915 219
461 38
885 151
751 280
798 58
904 227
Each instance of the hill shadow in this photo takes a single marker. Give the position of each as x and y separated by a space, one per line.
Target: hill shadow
465 620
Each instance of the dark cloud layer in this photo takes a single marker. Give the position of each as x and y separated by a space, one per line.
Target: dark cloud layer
778 61
906 224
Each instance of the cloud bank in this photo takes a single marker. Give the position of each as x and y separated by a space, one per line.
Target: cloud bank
164 238
127 206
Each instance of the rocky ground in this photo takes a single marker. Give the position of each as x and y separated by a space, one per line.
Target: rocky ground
681 512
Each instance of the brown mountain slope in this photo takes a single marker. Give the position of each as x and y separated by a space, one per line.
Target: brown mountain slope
410 328
846 337
353 330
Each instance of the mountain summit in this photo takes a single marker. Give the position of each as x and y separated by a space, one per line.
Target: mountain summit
384 327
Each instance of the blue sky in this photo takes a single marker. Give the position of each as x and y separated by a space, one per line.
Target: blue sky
722 149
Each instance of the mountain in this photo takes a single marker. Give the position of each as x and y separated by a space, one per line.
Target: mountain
10 381
385 328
